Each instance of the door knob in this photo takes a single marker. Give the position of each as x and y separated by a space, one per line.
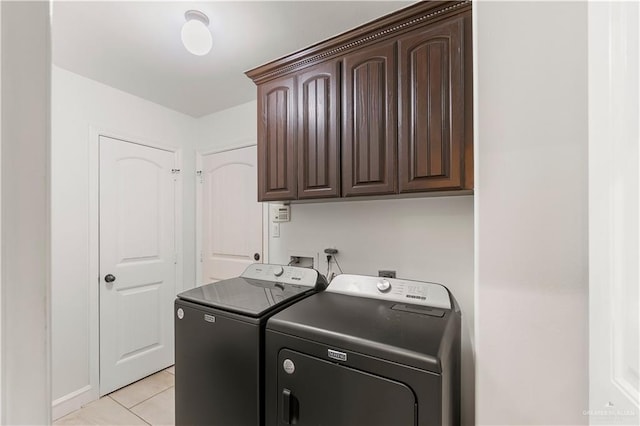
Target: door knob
256 256
109 278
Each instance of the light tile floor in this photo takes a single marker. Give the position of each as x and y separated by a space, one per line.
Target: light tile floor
149 401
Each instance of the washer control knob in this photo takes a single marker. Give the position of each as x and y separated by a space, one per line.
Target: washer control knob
384 286
278 270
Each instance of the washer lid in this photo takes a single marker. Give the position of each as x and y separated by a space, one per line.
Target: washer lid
258 290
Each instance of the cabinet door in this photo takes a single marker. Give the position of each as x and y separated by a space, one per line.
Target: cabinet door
432 108
318 131
276 140
369 121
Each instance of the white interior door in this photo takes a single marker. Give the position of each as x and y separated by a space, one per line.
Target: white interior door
231 214
137 247
614 214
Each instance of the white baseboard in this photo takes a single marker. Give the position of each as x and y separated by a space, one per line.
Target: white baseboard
73 401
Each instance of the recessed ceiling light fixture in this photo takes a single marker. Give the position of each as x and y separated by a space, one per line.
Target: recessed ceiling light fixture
196 37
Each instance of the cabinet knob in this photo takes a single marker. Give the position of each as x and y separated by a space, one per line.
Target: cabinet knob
109 278
256 256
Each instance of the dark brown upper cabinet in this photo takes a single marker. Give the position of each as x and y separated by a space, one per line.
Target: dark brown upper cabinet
369 121
276 140
318 141
385 108
432 108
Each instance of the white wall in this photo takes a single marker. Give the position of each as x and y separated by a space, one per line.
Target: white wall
79 103
25 369
531 212
230 128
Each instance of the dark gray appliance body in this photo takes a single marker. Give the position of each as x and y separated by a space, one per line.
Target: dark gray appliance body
219 349
362 362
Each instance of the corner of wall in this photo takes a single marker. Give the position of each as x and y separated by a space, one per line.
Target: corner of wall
25 369
228 129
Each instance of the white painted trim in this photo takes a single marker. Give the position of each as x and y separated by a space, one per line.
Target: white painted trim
265 233
244 143
93 279
198 217
92 391
131 138
3 344
476 221
179 222
72 401
49 250
613 134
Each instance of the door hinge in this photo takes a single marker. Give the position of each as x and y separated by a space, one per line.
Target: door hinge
199 174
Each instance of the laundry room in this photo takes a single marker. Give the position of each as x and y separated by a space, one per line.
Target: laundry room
390 212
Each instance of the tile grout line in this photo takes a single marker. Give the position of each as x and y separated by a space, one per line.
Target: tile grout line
145 422
155 394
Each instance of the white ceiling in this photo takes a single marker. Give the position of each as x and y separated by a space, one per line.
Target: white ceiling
136 47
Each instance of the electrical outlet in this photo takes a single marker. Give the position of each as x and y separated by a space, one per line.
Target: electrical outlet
387 273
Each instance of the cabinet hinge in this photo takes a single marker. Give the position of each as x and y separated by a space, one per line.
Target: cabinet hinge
175 171
199 174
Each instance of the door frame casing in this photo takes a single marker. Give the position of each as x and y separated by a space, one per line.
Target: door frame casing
265 206
613 34
91 392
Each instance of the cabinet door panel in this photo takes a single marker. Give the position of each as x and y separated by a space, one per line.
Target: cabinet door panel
432 115
318 131
276 140
369 121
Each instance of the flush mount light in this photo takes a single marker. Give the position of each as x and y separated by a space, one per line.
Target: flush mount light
195 34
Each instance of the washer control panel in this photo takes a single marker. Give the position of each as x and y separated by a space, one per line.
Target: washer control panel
282 274
383 286
393 289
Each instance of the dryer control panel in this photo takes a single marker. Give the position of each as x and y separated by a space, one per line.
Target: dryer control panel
392 289
283 274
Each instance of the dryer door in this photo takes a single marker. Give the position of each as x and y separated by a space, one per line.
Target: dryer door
313 391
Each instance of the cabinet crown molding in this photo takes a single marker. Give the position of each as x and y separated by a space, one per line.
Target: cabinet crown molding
385 27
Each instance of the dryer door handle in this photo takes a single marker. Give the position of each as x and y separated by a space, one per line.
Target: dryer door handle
286 406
